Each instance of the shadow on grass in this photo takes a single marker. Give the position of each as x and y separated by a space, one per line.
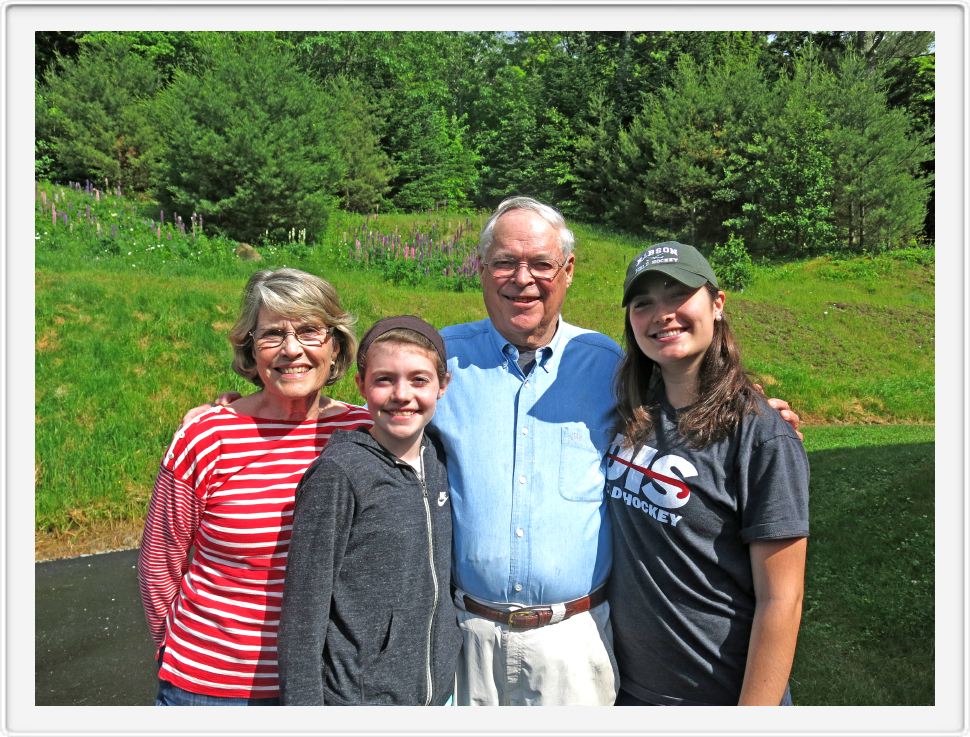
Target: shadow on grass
867 625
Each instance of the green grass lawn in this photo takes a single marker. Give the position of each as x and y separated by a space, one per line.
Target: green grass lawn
867 634
131 320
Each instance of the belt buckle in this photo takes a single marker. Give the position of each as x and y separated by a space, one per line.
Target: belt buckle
522 619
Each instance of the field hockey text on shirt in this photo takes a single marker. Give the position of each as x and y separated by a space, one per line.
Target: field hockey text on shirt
646 482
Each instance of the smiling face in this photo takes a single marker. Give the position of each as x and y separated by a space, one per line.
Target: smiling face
673 323
401 387
291 372
525 310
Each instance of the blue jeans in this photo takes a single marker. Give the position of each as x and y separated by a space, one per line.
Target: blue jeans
169 695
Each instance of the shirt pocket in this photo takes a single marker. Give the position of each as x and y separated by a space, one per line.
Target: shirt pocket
581 469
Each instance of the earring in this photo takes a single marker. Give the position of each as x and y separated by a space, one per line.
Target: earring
718 316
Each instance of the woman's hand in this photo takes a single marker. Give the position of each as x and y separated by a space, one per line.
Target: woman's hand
787 413
224 399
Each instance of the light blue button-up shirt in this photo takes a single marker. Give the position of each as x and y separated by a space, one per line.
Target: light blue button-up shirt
525 463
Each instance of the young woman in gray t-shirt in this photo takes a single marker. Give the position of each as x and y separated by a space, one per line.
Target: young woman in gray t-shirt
708 495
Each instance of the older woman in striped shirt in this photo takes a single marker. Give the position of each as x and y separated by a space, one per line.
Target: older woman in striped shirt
225 492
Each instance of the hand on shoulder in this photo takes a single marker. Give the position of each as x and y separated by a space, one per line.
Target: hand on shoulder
787 413
224 399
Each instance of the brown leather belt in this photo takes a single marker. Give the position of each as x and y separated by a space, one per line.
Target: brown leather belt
531 617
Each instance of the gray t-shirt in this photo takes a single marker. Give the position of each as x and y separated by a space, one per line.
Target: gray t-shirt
681 590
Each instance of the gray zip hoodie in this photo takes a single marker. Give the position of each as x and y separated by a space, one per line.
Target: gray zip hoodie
367 614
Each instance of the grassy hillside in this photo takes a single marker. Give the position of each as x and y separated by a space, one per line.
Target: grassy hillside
132 313
131 318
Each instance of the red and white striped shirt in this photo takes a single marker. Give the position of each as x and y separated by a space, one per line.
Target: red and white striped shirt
226 486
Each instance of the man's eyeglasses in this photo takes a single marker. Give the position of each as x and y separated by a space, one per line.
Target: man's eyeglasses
543 269
312 336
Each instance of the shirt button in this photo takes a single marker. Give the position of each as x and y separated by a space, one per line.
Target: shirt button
525 431
519 532
527 382
521 479
517 587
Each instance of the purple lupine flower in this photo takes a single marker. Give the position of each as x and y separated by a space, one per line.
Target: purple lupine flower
53 214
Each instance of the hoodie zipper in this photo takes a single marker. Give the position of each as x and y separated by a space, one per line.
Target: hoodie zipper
434 577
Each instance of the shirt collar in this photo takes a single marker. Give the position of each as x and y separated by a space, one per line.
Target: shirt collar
543 353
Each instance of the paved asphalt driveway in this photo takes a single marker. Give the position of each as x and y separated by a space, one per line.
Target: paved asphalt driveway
91 643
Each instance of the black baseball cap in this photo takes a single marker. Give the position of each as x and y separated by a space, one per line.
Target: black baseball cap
677 260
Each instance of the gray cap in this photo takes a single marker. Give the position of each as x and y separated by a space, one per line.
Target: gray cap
677 260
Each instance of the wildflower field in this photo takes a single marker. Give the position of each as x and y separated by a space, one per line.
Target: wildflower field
415 252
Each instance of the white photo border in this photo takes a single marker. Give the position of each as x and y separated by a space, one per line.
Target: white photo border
949 21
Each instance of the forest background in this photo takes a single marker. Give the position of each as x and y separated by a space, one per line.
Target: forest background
802 163
785 144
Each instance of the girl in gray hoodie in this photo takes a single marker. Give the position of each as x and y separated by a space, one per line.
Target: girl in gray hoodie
367 616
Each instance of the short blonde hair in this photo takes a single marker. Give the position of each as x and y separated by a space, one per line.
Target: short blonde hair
295 295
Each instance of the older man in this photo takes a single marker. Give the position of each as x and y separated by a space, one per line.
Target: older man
525 423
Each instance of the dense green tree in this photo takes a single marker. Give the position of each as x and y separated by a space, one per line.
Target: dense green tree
365 170
880 194
435 167
905 60
249 141
595 148
92 120
792 183
166 50
50 47
413 78
678 171
506 136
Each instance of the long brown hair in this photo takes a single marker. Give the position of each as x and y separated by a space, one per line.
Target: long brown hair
725 393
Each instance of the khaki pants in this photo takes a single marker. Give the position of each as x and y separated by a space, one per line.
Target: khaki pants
568 663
